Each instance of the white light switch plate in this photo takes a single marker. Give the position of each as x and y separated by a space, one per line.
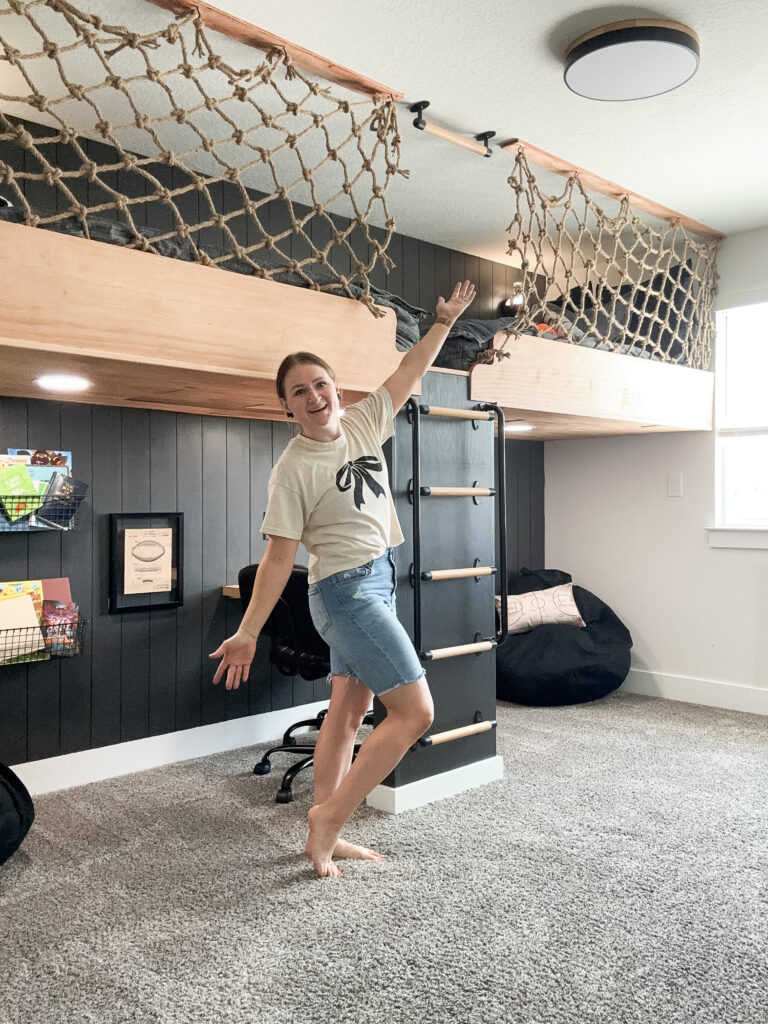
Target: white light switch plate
674 485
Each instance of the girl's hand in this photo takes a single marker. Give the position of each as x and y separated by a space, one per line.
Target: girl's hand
236 656
462 295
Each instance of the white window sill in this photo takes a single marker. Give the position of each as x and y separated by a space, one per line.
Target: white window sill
738 537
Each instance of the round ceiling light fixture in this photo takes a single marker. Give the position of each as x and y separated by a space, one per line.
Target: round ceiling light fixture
631 60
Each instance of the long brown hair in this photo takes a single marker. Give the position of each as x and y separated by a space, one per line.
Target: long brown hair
299 359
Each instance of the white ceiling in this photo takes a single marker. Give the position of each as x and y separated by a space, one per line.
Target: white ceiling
701 150
496 65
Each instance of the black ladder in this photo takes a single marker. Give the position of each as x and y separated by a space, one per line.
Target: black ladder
419 492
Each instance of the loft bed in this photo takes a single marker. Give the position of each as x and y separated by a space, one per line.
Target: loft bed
188 338
182 336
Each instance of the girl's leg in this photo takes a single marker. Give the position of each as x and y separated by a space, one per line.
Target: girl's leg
409 715
350 700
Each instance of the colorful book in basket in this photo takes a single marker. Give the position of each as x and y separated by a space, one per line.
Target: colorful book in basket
62 499
18 495
21 615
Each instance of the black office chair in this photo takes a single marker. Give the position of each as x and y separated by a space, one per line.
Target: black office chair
296 649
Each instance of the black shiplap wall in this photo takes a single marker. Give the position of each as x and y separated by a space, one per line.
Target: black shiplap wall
144 674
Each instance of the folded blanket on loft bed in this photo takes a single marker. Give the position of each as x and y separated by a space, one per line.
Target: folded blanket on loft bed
467 339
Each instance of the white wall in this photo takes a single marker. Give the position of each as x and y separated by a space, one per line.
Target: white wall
698 616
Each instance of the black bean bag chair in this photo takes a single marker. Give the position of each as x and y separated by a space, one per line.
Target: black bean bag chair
562 664
16 812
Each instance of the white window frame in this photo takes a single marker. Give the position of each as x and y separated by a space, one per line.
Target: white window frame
729 533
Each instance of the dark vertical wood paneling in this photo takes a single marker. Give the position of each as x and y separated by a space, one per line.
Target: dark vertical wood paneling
536 476
211 205
214 560
378 275
514 452
162 623
134 690
160 214
192 672
411 288
471 269
395 273
443 280
40 195
77 565
484 286
43 685
105 632
458 265
237 523
427 277
14 548
500 288
101 191
259 466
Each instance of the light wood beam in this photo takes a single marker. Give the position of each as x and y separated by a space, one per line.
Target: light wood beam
557 165
244 32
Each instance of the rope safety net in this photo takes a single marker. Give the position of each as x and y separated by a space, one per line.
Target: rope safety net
261 169
611 281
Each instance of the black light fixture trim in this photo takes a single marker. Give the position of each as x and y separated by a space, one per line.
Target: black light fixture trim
632 32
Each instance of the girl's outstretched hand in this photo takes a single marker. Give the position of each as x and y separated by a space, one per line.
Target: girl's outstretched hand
462 295
236 656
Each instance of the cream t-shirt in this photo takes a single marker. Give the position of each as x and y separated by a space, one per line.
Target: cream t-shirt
334 496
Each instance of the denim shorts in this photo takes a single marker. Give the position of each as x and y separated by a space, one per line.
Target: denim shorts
354 612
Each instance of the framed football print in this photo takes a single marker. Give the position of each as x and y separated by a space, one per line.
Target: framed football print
145 560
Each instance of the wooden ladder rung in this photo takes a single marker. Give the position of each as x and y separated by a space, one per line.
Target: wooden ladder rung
457 734
455 414
458 574
457 492
454 652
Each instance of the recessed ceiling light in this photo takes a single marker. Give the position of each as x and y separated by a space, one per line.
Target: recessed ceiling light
63 382
631 60
518 428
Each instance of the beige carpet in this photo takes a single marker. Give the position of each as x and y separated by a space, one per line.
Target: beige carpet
617 874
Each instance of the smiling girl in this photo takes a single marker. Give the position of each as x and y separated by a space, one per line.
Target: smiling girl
330 491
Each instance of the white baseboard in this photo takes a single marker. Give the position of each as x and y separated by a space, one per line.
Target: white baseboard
437 787
711 692
69 770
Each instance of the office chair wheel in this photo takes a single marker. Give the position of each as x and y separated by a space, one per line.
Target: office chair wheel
262 768
284 796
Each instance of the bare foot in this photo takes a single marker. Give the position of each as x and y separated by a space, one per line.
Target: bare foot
321 843
348 851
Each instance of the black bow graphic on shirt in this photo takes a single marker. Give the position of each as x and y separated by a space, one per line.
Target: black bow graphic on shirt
359 471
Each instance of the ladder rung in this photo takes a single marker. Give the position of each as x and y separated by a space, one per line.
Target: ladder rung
457 734
458 574
455 414
457 492
454 652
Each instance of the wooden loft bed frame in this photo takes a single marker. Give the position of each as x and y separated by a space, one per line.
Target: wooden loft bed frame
159 333
186 338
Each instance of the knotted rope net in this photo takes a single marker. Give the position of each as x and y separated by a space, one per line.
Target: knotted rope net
259 169
613 282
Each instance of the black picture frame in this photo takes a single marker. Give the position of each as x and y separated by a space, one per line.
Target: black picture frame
119 522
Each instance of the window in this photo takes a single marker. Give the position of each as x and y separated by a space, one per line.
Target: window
741 418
